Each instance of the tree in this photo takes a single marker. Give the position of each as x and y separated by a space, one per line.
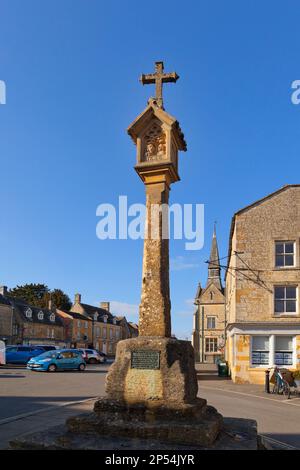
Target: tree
40 294
60 299
33 294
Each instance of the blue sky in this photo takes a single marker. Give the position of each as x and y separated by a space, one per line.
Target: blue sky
71 69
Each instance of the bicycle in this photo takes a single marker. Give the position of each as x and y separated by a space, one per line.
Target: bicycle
281 386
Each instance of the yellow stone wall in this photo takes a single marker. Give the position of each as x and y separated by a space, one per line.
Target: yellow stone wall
249 302
238 352
254 236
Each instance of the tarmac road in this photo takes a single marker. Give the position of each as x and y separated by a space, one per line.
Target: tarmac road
24 392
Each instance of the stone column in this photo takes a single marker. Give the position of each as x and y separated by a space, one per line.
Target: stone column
154 318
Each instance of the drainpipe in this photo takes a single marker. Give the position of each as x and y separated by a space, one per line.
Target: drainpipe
202 335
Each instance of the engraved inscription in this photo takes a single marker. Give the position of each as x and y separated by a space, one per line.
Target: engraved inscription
145 359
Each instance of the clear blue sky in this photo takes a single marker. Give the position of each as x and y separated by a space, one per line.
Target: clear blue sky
71 69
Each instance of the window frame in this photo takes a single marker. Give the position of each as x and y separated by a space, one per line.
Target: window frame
284 254
260 351
211 317
285 299
211 340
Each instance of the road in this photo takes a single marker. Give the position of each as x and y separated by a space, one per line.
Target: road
25 392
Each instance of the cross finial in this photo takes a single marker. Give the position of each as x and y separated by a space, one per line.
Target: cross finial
159 77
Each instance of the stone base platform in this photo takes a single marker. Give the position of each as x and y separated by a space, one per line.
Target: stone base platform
191 424
236 434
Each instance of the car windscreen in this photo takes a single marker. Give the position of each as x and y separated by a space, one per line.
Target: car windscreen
48 354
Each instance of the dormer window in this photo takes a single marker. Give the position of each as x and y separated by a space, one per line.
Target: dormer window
52 317
95 316
114 321
41 315
105 318
28 313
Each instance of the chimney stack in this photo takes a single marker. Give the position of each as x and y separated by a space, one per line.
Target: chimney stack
77 298
51 305
105 305
3 290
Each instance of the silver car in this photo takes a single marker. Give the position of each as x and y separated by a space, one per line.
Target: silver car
91 356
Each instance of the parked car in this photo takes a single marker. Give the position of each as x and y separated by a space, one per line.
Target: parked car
60 359
21 354
103 355
45 347
91 356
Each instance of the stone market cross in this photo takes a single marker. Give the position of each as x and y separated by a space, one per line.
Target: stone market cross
159 77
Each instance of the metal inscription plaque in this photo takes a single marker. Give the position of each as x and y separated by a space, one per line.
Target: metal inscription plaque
145 359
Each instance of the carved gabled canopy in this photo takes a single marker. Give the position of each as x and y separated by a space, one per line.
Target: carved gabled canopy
158 138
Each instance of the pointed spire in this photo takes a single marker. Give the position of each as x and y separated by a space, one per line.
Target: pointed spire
198 292
214 269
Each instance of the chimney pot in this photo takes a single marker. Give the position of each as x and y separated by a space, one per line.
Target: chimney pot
77 298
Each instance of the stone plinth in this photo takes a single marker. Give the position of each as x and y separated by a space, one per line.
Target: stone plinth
152 394
172 383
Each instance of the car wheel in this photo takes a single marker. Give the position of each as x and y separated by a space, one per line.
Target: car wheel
81 367
52 368
93 360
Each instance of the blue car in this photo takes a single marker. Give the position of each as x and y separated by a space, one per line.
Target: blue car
21 354
61 359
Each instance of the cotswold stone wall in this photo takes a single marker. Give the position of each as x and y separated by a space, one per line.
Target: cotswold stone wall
256 231
5 320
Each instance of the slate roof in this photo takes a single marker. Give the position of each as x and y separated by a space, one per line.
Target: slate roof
78 316
4 300
21 307
90 310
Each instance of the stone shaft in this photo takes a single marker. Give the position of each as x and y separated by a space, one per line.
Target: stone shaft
155 318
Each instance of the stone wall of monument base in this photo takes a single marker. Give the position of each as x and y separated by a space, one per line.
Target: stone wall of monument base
239 361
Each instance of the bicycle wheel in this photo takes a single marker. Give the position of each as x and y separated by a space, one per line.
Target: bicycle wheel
286 389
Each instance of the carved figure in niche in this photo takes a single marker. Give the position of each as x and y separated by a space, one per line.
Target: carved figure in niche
150 151
161 148
155 147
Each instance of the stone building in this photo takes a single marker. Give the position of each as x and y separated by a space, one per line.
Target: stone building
208 337
106 328
21 323
129 329
262 286
78 329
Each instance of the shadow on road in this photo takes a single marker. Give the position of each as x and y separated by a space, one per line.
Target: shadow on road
211 377
12 376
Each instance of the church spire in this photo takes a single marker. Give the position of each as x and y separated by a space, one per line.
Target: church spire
214 269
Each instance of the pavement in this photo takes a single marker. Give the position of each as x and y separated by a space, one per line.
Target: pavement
278 418
33 401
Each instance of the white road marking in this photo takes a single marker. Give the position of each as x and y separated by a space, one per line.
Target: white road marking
278 443
42 410
290 402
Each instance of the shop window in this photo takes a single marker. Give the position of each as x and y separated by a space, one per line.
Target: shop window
283 350
260 350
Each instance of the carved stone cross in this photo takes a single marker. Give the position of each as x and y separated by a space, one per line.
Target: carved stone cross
159 77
